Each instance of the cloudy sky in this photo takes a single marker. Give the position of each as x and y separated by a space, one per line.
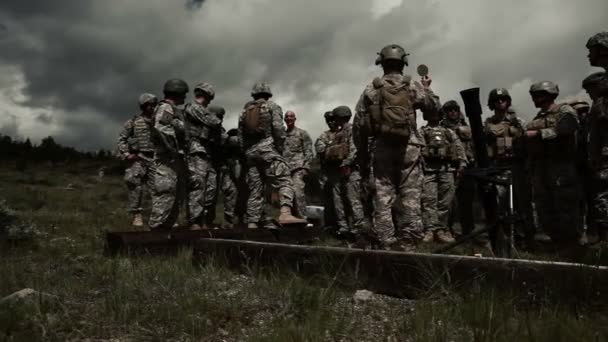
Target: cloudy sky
73 69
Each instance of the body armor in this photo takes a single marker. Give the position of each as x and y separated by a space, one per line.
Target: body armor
501 135
559 148
141 140
438 145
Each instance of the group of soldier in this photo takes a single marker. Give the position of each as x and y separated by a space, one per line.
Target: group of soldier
381 176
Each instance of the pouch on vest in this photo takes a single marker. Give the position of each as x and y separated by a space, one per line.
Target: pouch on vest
437 145
338 148
391 117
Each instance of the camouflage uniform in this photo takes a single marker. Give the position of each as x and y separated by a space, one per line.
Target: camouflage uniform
465 188
553 160
204 135
443 156
264 161
343 181
597 151
397 167
298 155
231 183
136 138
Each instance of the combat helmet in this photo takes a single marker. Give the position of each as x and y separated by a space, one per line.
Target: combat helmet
176 86
451 104
205 88
146 98
219 111
261 88
548 87
342 112
394 52
498 93
593 80
599 39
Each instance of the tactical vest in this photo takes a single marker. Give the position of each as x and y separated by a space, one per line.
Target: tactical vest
142 135
560 148
500 146
438 145
465 135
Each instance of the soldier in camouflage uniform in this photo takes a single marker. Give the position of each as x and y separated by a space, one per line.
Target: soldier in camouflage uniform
551 138
298 155
204 134
337 153
465 188
386 111
231 180
170 147
326 191
262 137
136 147
597 133
444 158
504 131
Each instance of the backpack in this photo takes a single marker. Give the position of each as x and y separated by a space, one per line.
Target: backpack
338 147
251 117
393 116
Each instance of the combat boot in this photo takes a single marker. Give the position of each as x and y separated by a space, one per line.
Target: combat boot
138 220
195 226
206 226
286 217
252 225
227 225
428 237
444 237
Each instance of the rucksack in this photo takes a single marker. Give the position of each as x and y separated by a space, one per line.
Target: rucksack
251 117
394 114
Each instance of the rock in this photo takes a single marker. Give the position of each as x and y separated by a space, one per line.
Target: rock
27 301
363 295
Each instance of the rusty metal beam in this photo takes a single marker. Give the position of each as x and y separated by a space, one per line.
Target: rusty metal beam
414 274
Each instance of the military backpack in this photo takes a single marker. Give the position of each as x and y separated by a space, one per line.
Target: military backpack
393 116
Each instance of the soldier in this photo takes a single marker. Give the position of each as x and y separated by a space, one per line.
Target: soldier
551 138
465 189
231 183
135 146
262 137
326 191
386 111
337 153
170 146
503 131
298 155
597 132
443 158
204 133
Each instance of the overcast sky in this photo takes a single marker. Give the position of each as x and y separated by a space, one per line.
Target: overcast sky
73 69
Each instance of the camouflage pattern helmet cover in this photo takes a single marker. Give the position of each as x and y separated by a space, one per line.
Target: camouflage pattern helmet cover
598 39
147 98
450 105
392 51
498 93
206 88
176 86
593 80
342 112
261 88
545 87
217 110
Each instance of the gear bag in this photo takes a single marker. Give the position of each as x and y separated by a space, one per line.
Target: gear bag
393 115
252 117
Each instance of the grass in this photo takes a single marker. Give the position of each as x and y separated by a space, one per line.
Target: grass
174 299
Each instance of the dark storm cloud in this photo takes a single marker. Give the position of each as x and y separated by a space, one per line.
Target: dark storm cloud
83 63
